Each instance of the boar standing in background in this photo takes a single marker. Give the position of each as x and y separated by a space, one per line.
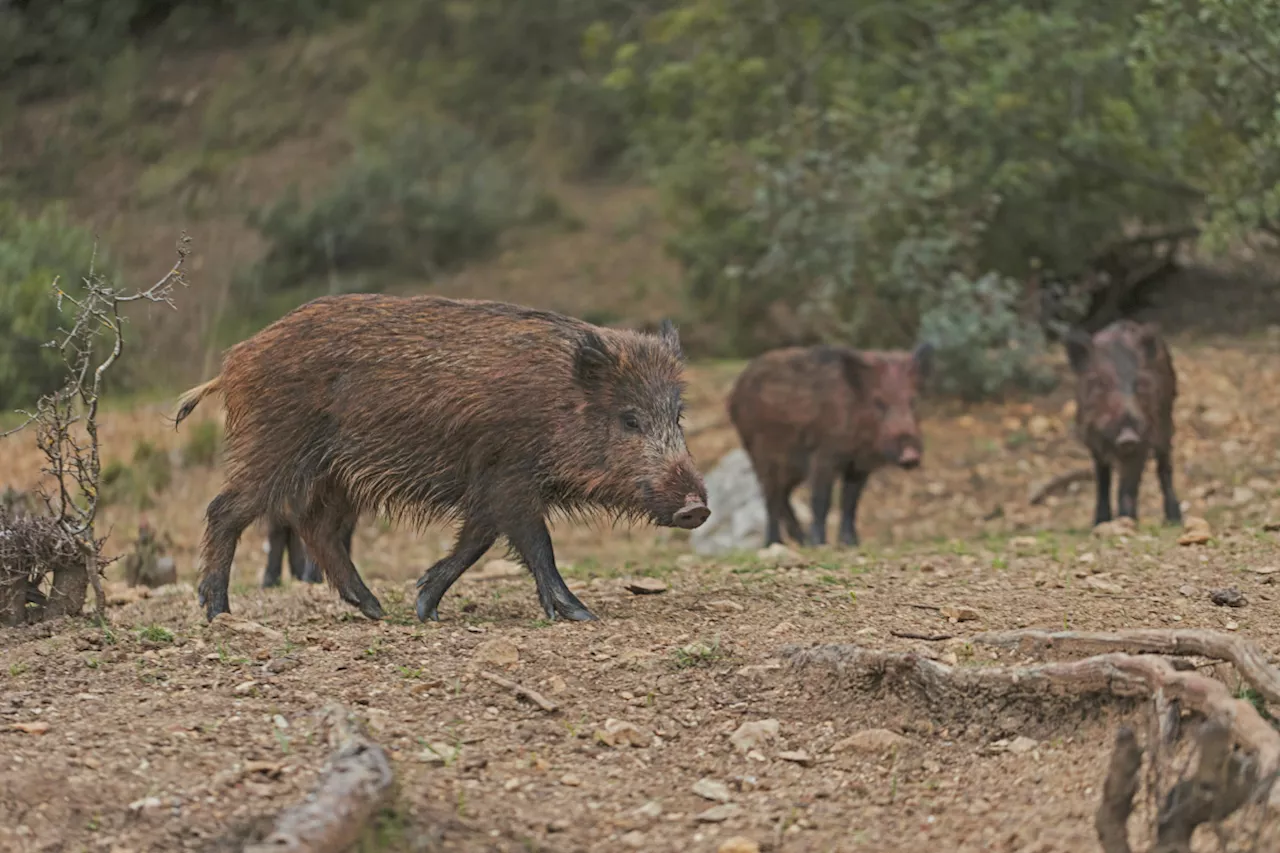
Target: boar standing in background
826 412
282 537
1124 411
425 408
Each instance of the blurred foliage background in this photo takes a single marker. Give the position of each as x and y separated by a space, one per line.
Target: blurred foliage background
981 173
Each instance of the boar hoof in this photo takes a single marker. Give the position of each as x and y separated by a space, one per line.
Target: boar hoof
567 606
213 603
371 608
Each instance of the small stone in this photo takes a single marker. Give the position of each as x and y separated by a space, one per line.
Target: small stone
752 735
1229 597
710 789
1242 495
1123 526
145 805
621 732
496 570
1196 531
275 666
1263 570
781 556
738 844
781 628
959 613
280 722
651 810
441 754
646 586
1187 590
244 688
634 839
724 605
1039 426
1022 745
38 727
558 825
570 781
798 756
1218 417
496 652
719 814
246 628
1023 543
1232 625
871 741
1101 584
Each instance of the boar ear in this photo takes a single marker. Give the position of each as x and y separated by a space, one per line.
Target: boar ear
1150 341
922 355
856 369
593 361
1079 343
670 337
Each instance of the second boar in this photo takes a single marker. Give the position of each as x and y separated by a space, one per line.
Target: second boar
827 413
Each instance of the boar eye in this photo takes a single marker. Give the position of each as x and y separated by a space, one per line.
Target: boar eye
882 408
630 421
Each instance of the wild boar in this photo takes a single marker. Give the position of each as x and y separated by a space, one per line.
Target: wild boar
1125 389
424 408
827 412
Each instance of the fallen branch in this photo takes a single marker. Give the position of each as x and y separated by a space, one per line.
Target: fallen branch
1112 675
912 635
532 695
1247 658
355 787
1057 484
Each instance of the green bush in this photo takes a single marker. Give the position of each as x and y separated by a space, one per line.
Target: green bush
139 482
204 441
427 199
33 252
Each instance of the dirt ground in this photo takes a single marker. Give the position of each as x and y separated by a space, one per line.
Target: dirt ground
165 733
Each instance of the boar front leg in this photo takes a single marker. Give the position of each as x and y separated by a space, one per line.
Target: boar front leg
850 491
532 541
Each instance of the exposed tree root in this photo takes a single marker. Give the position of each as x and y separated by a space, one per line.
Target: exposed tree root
1247 658
1057 484
1108 675
1223 782
355 786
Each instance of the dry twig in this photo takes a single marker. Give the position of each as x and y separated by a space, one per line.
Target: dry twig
532 695
1059 483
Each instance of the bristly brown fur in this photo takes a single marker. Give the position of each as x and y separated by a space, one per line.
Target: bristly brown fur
426 409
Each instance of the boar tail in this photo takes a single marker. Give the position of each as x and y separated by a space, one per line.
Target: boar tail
187 402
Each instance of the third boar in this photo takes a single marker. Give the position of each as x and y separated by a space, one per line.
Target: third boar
1125 390
827 413
282 537
424 408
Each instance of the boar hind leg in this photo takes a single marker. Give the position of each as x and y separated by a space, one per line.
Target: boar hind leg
850 491
474 539
299 561
309 571
1130 479
532 541
1164 470
322 531
820 486
1102 481
226 518
278 540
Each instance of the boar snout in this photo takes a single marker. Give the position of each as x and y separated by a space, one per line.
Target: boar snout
692 514
909 458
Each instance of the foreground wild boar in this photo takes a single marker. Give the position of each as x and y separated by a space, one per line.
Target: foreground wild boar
1124 411
282 537
426 408
826 412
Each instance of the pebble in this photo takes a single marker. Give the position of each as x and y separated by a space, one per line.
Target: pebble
710 789
781 557
497 652
751 735
1021 745
798 756
646 586
738 844
720 813
634 839
724 605
870 741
